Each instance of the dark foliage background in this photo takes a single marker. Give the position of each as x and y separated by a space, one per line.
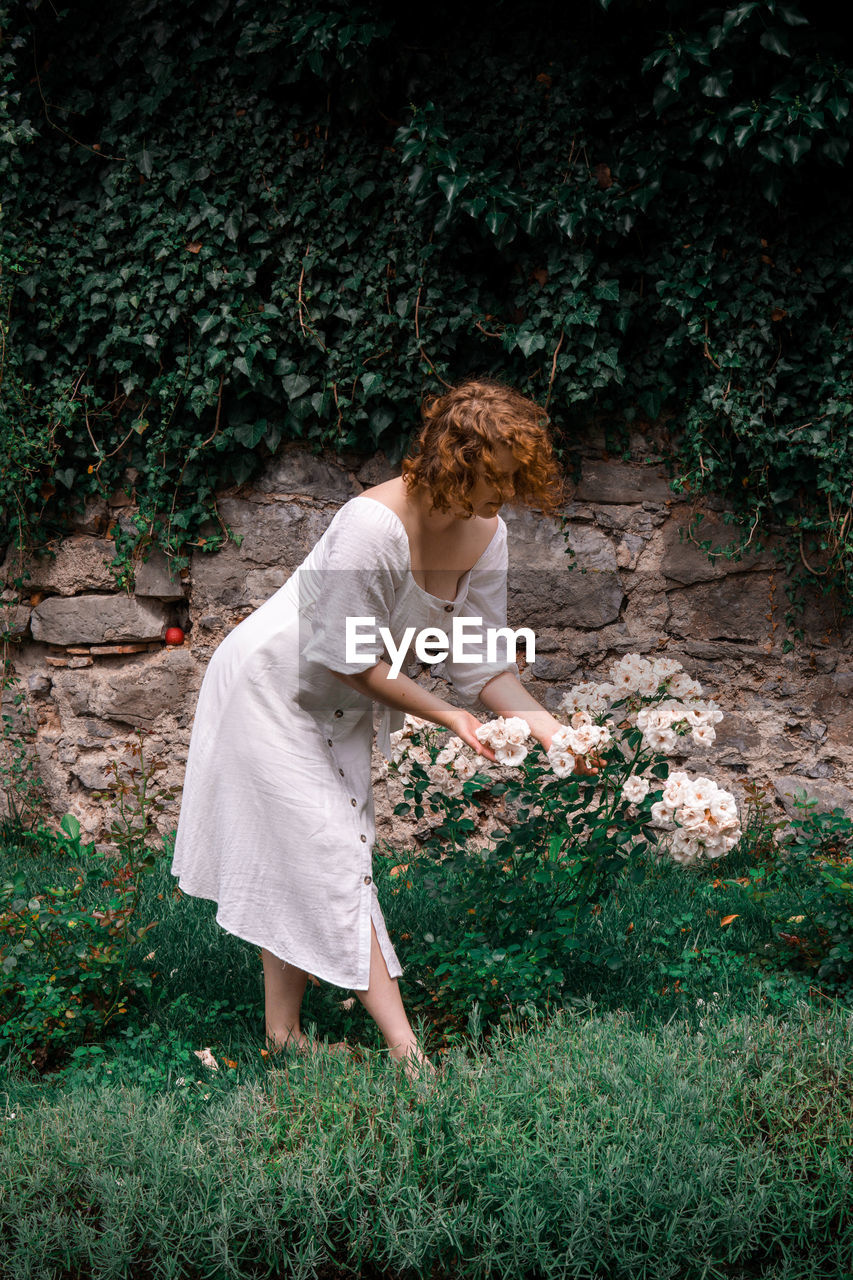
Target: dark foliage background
226 225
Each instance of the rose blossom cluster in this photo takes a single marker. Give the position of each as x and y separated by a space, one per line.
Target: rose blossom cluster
506 737
452 766
663 723
698 816
706 817
576 739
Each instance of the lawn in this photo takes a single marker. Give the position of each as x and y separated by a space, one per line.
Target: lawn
687 1116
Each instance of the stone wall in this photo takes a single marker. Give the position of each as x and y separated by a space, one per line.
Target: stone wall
94 665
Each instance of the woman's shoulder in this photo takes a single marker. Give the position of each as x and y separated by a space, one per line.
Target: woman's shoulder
364 525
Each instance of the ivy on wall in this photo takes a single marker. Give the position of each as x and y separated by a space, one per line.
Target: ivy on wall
227 225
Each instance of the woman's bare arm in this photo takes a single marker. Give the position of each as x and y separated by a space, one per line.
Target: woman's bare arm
407 695
506 696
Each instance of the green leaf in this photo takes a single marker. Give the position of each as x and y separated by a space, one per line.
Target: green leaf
774 41
771 149
529 341
70 825
713 87
495 219
606 290
836 149
452 183
797 147
295 385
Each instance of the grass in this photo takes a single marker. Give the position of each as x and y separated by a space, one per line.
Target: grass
692 1117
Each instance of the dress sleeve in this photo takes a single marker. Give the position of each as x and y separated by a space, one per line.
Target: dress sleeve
358 576
486 599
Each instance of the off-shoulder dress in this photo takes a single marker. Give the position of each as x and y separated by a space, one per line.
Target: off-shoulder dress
277 819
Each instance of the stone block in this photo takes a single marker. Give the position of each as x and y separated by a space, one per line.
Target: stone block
94 517
536 542
376 470
295 470
565 598
736 733
734 608
14 619
154 577
275 535
829 795
80 563
116 650
140 691
622 519
622 482
92 773
38 684
682 561
96 619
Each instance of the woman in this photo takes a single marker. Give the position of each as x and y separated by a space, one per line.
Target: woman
277 815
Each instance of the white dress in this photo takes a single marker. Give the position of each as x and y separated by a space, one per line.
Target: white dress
277 815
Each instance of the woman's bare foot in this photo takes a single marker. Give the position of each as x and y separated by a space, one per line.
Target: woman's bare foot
415 1062
302 1044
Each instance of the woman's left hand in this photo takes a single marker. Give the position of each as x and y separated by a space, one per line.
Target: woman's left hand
585 767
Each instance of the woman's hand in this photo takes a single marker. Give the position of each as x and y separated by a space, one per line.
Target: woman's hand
464 724
584 768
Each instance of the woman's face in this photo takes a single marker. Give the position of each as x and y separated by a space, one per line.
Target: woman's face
484 496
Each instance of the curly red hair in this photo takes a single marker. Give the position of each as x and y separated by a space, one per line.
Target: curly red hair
457 441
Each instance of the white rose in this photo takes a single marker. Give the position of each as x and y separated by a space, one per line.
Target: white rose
724 809
464 767
666 667
493 732
587 738
703 734
420 755
625 681
517 730
647 684
412 724
635 788
662 815
651 718
692 819
563 739
664 740
561 761
675 788
512 753
683 686
446 754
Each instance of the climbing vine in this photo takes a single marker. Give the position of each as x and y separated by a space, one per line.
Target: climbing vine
228 225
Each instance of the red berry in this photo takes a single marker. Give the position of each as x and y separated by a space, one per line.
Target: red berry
174 635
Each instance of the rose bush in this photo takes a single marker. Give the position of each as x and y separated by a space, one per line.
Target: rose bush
521 899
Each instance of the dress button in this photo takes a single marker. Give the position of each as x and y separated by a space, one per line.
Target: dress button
338 715
367 879
341 772
363 839
448 608
353 801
